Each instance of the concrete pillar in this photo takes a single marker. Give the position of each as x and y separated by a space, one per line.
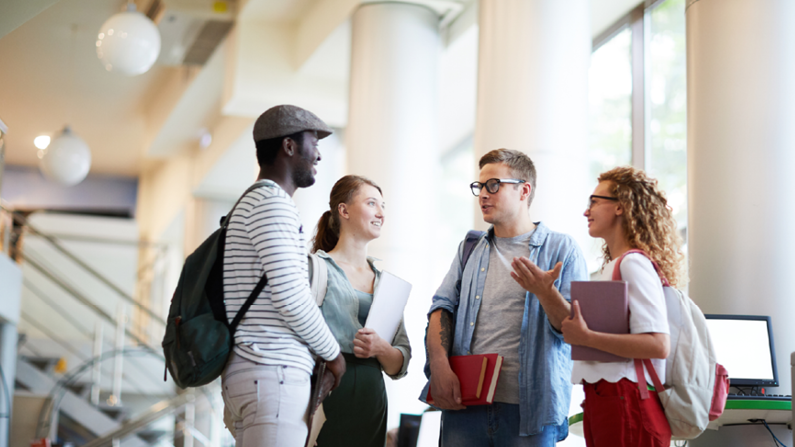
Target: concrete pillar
533 96
392 138
740 140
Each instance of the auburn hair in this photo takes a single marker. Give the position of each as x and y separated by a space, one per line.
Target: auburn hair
327 233
649 223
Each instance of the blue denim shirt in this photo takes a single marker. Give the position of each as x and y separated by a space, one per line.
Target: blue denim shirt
545 374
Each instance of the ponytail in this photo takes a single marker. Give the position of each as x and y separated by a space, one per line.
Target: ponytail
328 227
327 235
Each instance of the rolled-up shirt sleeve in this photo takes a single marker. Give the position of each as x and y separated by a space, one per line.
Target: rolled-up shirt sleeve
401 343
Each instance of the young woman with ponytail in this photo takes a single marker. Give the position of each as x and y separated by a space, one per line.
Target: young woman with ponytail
356 411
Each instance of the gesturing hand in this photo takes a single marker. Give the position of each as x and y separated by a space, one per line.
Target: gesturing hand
575 330
532 278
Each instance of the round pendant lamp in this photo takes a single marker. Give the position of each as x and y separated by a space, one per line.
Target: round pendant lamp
66 160
128 43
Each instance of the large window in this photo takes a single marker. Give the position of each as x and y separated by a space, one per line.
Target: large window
638 102
610 101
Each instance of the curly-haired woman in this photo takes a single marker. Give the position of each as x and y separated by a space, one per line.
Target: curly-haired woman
629 212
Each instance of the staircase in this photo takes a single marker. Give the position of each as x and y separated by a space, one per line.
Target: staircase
89 367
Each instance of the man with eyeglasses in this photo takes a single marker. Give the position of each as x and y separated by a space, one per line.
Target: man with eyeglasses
510 298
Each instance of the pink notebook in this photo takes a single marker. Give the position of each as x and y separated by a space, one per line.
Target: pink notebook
604 307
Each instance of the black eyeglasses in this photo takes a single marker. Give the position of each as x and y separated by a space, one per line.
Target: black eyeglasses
591 201
492 185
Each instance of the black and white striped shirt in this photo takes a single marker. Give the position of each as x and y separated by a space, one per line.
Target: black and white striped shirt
264 236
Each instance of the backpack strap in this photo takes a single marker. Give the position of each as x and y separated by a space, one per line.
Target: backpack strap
617 269
473 236
225 219
222 247
318 278
249 301
658 386
639 364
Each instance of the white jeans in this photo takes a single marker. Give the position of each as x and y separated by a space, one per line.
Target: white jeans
267 405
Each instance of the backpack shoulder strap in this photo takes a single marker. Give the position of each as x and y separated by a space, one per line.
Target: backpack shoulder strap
617 268
640 363
644 391
472 238
225 219
318 278
219 261
249 301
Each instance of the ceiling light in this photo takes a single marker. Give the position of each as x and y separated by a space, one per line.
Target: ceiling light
42 141
128 43
67 160
205 138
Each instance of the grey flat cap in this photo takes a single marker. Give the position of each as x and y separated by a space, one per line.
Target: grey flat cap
284 120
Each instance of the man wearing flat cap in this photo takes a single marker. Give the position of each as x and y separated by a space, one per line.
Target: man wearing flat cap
266 384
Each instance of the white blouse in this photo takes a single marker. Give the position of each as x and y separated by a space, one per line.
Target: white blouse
647 313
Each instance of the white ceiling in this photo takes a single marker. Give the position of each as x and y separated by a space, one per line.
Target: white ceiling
51 77
281 11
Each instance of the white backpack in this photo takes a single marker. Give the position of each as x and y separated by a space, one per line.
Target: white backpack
318 277
696 385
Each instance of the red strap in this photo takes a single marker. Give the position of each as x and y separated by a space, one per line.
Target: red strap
658 386
644 392
617 269
639 364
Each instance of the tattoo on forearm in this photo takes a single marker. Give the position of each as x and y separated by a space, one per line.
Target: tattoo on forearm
446 332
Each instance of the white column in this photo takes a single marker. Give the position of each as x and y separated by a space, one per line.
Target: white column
392 138
741 160
533 96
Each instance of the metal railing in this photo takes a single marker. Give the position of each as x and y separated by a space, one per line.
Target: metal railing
147 306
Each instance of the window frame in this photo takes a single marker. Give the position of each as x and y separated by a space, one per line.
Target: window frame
638 20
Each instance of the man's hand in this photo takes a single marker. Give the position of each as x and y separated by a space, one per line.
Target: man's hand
445 387
575 330
368 344
532 278
326 385
337 367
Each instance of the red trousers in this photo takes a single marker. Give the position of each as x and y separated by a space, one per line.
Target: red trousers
614 415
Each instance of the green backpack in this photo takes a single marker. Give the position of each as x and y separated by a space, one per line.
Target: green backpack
199 337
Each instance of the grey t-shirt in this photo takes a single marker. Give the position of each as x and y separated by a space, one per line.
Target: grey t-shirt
499 322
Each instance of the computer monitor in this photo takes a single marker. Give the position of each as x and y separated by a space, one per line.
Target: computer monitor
744 345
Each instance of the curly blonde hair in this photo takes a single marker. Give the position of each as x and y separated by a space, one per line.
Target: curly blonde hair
648 221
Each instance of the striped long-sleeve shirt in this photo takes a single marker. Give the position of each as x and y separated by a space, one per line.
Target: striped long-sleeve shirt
284 323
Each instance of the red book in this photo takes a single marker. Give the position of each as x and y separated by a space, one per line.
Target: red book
478 376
